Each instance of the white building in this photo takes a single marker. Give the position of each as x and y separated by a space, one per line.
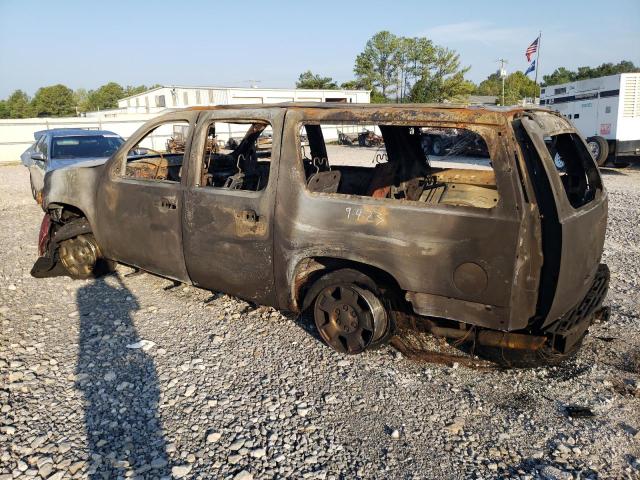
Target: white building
173 96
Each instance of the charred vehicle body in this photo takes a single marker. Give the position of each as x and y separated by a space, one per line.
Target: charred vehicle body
504 255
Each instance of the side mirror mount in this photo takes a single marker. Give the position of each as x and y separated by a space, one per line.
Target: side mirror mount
38 156
137 152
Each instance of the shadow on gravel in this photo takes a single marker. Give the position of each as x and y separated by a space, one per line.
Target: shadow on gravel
611 171
119 385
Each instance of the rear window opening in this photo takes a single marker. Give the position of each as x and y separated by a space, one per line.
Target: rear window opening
430 165
575 166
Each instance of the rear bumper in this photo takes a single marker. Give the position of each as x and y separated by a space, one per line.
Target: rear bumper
569 329
627 148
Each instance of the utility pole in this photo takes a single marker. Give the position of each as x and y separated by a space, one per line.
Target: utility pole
503 74
538 62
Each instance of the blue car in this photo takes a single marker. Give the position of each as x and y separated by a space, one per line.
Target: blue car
65 147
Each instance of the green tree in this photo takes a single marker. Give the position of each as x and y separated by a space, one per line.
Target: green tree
358 84
492 85
563 75
415 69
134 90
443 79
378 64
310 80
517 86
419 59
81 99
18 105
105 97
559 75
54 101
4 109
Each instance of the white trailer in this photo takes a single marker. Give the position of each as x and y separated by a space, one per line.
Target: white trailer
605 110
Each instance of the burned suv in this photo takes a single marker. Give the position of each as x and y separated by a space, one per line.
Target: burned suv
501 251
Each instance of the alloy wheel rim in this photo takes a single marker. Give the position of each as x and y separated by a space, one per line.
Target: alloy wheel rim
79 255
349 318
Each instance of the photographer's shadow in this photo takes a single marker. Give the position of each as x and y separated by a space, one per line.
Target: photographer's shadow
119 385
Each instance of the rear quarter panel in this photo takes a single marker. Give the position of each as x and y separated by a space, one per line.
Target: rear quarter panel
420 246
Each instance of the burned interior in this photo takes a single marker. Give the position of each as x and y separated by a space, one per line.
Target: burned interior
397 162
159 155
235 160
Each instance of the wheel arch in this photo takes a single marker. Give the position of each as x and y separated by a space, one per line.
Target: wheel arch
309 269
65 212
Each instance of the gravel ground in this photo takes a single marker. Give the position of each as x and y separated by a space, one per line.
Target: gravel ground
221 389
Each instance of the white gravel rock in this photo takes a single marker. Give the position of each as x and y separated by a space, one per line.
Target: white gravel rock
239 390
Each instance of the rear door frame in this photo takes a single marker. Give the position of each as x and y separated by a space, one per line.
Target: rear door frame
575 272
224 251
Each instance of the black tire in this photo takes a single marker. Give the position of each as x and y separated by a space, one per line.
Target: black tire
599 148
33 189
544 357
82 259
437 147
364 286
425 142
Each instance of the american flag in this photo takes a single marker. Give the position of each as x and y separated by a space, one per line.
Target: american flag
531 49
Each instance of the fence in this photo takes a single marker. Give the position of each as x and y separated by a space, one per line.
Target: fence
17 135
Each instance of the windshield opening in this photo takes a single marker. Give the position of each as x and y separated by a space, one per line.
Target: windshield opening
84 146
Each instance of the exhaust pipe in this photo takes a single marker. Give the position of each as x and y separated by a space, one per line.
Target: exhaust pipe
488 338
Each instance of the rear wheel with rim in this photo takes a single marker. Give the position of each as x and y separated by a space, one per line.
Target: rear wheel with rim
437 147
599 148
349 318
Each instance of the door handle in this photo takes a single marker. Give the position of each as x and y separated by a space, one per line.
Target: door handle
168 203
249 216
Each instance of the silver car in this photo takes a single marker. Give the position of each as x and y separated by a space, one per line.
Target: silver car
65 147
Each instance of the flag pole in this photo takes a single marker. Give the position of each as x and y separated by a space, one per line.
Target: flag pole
538 63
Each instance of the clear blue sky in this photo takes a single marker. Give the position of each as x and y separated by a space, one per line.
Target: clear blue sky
88 43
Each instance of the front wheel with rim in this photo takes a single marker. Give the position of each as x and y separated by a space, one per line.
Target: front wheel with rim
82 259
350 318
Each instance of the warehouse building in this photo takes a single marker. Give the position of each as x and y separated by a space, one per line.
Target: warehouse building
17 134
173 96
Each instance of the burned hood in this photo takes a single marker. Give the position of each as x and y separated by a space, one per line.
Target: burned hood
60 163
73 185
